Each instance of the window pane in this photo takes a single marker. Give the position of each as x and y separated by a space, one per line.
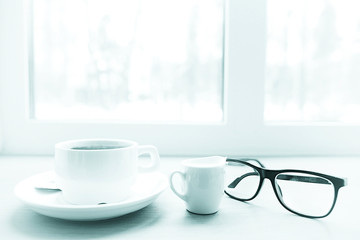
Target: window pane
138 60
313 59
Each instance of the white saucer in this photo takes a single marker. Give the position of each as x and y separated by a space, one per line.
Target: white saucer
50 203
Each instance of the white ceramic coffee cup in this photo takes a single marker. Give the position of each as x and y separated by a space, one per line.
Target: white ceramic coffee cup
95 171
202 182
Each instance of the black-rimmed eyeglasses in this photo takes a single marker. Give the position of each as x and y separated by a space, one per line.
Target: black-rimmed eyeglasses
305 193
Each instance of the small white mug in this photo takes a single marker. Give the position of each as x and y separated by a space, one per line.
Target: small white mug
95 171
202 184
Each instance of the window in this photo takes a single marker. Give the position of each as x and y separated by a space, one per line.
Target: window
313 54
138 60
271 100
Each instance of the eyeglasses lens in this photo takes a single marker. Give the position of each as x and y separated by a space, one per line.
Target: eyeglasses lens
305 193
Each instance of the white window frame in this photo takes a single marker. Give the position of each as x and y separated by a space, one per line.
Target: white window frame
242 133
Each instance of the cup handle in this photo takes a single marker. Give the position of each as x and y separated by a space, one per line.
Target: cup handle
154 157
180 195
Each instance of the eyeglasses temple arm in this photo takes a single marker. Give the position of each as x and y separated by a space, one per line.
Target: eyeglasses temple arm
295 178
234 183
303 179
250 159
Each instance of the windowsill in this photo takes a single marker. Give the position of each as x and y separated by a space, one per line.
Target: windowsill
166 218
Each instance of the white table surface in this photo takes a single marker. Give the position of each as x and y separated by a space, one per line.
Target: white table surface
166 218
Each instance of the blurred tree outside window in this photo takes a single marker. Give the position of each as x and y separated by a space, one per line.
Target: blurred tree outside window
135 60
313 59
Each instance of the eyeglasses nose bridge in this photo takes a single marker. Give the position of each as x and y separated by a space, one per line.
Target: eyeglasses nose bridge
269 174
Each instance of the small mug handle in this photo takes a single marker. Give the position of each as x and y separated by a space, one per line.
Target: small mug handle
182 175
154 157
